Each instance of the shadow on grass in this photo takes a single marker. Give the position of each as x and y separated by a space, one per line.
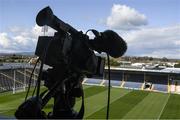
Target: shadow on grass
48 106
7 114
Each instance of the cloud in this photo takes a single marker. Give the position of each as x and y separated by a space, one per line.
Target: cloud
125 18
156 42
21 39
4 42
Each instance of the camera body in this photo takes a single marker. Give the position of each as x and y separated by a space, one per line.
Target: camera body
71 51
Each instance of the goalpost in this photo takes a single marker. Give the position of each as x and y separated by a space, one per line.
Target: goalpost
19 79
20 82
18 86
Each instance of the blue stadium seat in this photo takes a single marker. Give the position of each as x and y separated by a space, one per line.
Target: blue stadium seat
113 83
132 84
160 87
93 81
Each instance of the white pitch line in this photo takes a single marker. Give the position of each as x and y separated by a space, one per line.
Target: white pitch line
7 110
163 107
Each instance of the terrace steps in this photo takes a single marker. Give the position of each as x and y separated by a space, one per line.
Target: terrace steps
9 77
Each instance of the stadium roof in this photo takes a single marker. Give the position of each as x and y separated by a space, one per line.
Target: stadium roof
5 66
165 70
15 65
27 65
171 70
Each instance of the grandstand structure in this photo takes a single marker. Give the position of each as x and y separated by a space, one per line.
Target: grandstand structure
163 80
15 76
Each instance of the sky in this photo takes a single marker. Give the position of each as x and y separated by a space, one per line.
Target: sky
149 27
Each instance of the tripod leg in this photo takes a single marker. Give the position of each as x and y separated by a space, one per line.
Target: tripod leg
63 107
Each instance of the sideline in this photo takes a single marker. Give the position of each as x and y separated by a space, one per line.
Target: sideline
164 106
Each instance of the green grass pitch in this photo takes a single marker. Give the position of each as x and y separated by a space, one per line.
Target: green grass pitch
125 104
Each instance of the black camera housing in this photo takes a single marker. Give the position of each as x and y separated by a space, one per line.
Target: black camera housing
71 51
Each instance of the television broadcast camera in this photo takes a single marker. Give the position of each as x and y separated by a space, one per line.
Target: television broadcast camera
70 53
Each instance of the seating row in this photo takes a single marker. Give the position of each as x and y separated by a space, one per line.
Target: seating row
125 84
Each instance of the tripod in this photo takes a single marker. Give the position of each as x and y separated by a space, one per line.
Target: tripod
64 93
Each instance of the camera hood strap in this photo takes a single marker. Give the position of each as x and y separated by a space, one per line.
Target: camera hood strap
81 111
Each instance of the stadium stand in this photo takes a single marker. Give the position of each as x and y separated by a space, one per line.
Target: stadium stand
133 80
10 75
115 83
160 87
19 76
93 81
132 77
25 75
15 77
136 85
6 82
165 80
115 76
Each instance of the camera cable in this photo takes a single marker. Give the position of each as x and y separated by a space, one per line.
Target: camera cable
30 79
109 88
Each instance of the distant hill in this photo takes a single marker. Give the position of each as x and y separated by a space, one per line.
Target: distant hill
25 53
18 53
